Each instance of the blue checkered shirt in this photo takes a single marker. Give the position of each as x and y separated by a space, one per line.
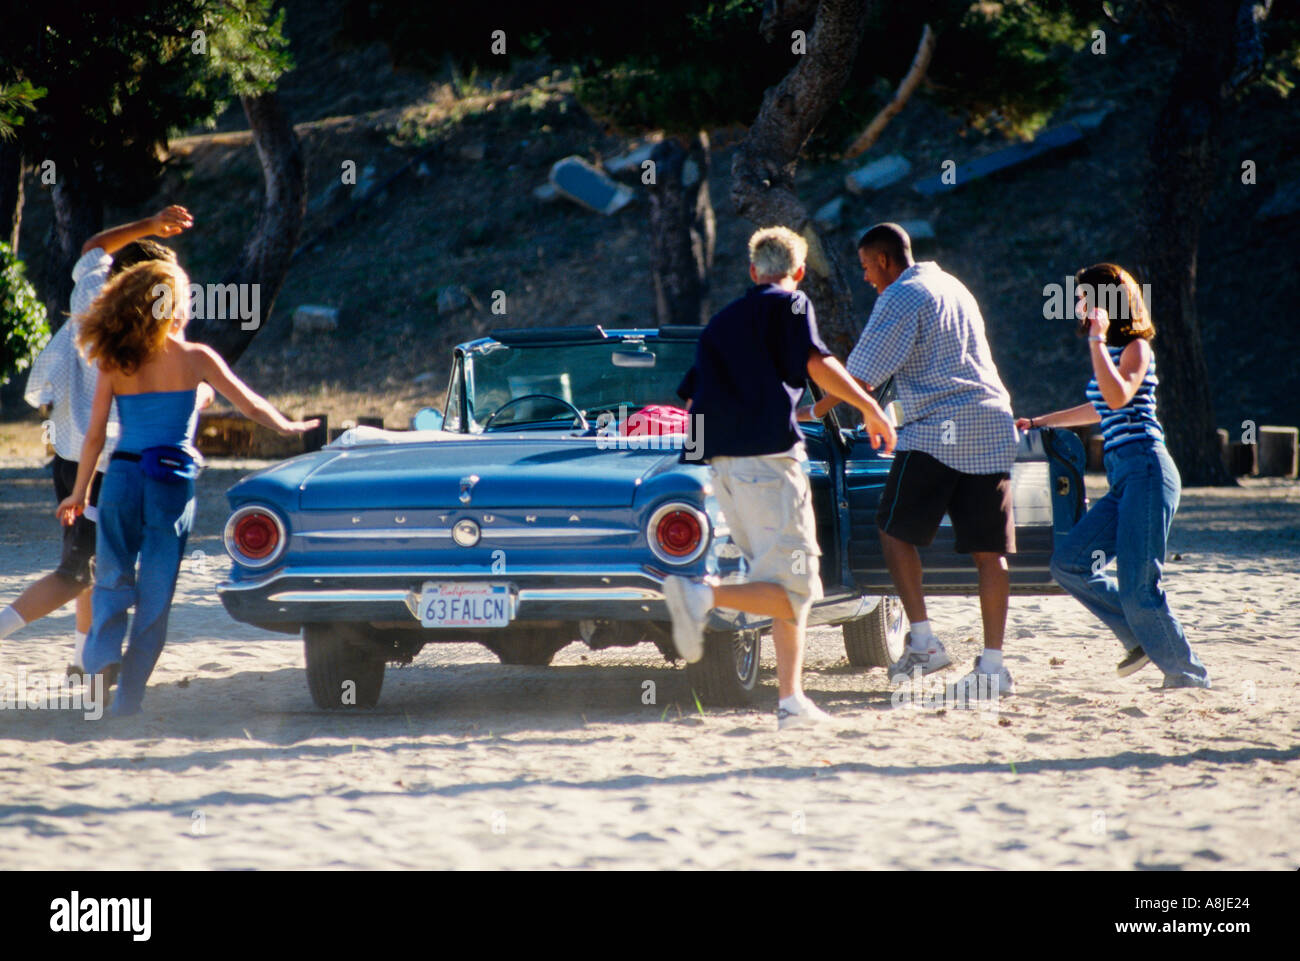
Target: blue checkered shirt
926 331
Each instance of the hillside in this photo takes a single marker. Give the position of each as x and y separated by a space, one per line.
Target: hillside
467 216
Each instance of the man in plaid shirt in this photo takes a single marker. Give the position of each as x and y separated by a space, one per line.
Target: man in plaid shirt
955 448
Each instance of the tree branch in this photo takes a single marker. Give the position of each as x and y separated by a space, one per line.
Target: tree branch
762 168
920 64
1250 45
269 249
764 162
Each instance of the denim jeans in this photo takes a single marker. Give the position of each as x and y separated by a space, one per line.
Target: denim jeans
149 520
1130 526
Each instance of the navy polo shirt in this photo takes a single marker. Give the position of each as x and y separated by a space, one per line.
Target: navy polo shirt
751 366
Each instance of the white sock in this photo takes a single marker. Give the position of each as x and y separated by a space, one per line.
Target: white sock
791 704
991 661
10 621
923 637
79 650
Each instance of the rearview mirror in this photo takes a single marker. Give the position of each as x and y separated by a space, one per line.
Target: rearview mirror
633 358
427 418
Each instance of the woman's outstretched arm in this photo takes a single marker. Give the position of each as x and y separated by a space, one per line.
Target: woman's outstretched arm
1080 416
212 368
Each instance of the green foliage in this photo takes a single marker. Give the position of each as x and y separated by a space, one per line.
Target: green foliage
684 65
996 66
122 76
681 65
14 99
1282 51
246 43
23 327
1003 65
709 71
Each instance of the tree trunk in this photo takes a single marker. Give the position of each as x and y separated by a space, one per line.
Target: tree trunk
763 167
1183 162
266 255
78 214
11 191
681 230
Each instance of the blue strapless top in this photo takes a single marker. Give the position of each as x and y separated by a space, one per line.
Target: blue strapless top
162 418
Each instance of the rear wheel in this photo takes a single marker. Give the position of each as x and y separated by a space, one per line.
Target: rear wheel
534 647
877 639
345 668
727 675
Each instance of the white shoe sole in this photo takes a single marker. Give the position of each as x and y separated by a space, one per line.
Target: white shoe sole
687 638
801 720
1133 668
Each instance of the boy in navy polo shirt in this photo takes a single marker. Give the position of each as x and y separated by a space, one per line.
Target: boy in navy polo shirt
751 366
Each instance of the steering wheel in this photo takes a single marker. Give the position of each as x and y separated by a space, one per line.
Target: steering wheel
559 400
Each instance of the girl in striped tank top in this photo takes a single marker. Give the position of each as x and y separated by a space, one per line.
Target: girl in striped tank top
1130 525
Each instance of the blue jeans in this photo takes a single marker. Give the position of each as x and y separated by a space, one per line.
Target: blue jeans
1130 525
149 520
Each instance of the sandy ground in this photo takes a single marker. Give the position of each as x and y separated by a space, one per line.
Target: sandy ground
469 764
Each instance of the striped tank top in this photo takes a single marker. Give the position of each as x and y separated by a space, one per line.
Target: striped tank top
1135 420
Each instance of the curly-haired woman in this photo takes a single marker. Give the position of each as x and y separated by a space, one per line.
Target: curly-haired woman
1130 524
134 331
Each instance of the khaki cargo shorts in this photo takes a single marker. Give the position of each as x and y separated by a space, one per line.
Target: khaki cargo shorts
768 505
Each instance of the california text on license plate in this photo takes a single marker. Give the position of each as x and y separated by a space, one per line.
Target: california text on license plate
465 605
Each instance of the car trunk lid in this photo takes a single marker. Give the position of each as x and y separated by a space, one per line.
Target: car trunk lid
515 471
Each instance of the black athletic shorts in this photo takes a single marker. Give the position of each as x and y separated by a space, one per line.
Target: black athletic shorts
921 489
78 561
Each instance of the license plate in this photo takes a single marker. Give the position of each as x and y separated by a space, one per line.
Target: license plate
465 605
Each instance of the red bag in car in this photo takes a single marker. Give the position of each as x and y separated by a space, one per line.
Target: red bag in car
656 420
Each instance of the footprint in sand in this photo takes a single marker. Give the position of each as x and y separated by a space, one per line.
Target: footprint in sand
213 666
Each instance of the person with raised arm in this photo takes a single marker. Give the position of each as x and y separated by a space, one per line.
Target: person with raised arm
1130 524
61 378
134 332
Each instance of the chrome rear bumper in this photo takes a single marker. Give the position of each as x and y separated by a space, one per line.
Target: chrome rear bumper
284 600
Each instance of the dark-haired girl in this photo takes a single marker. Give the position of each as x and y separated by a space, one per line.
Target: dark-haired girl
1130 524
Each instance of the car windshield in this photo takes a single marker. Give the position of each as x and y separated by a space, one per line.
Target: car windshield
592 377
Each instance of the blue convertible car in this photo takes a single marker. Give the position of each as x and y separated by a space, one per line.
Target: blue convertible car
522 516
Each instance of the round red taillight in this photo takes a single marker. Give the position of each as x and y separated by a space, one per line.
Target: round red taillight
256 535
678 533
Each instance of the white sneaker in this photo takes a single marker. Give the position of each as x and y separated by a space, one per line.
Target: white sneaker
979 685
688 605
808 715
935 658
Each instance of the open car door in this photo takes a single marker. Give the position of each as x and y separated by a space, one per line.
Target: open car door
1048 497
